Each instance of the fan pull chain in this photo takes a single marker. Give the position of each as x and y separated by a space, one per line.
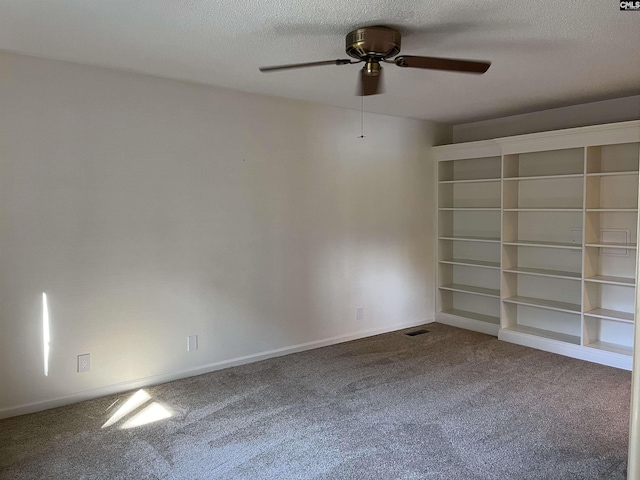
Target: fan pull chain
361 117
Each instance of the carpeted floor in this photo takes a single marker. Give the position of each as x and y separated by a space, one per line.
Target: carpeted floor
449 404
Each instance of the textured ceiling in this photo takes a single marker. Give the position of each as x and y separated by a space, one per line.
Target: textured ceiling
545 53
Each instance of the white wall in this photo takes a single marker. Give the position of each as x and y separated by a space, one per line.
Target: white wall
594 113
149 209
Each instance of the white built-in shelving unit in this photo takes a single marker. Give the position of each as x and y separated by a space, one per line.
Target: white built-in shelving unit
537 239
469 209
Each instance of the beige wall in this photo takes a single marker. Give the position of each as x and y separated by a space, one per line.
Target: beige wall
150 209
594 113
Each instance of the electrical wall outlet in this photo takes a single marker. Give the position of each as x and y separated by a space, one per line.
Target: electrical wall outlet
360 313
84 363
192 343
576 237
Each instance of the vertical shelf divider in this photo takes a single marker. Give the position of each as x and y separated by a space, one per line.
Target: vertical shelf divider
589 152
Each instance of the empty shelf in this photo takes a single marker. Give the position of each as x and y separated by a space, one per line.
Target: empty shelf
538 332
534 209
610 174
607 314
611 347
624 281
613 210
473 180
542 303
485 292
630 246
545 177
471 263
473 316
544 273
537 243
470 209
472 239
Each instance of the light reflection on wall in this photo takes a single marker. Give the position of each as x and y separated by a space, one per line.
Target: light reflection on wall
151 413
45 333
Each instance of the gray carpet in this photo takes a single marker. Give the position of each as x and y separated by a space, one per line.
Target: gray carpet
449 404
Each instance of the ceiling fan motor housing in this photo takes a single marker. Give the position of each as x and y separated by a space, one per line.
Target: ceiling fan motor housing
378 42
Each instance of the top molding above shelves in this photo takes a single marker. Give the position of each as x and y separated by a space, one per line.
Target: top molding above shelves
621 132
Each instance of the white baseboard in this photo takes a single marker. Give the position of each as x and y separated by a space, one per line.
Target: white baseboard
211 367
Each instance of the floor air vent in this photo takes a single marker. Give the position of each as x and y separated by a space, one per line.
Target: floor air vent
416 332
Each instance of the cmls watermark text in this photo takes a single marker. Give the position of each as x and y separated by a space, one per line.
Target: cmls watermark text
630 6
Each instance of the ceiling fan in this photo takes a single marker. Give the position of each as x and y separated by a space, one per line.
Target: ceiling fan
377 44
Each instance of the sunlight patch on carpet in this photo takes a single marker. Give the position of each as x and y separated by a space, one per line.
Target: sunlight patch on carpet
151 413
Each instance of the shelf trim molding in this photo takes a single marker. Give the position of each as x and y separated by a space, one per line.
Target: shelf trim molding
466 151
580 137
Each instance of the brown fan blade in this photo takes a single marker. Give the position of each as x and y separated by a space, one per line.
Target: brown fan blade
434 63
370 84
274 68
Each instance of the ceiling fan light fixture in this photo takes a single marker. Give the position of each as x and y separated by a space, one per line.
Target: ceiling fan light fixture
372 67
